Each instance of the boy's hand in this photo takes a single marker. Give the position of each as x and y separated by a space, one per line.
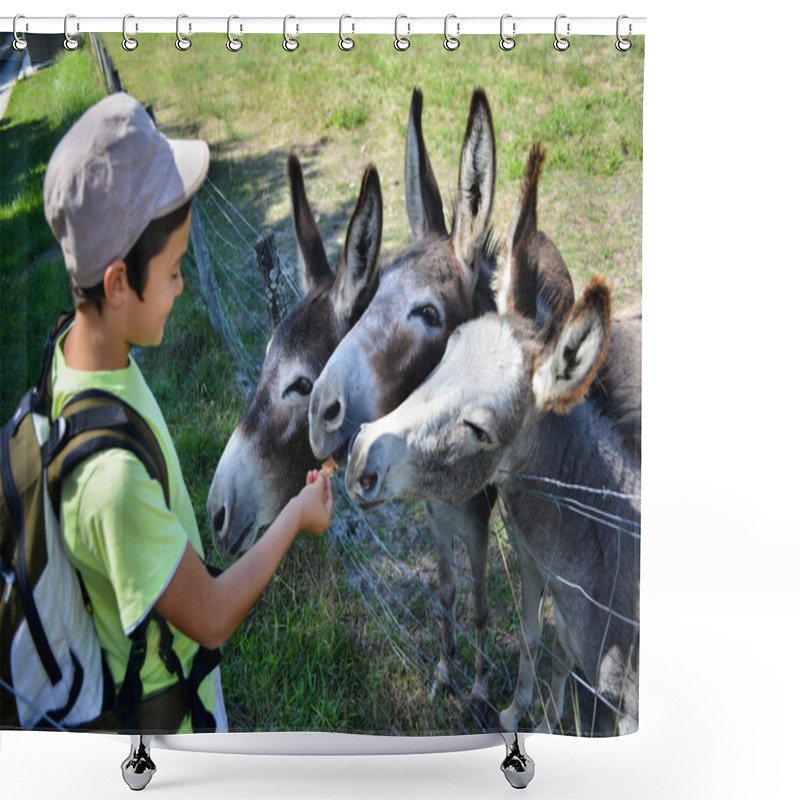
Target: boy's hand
315 502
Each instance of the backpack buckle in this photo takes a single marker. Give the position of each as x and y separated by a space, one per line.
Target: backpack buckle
8 579
58 432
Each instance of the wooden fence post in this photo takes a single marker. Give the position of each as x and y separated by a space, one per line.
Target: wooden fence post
274 276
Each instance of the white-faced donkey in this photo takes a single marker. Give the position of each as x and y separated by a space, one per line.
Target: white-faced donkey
529 409
441 280
266 459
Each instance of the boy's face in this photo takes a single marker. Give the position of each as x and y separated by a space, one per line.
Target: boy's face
146 319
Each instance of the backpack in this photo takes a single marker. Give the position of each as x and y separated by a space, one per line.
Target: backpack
52 669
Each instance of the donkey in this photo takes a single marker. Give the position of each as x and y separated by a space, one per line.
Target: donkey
434 285
504 406
266 459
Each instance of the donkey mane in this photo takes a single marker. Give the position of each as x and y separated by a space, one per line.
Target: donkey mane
483 301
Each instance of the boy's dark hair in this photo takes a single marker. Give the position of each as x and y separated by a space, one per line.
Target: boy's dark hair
151 242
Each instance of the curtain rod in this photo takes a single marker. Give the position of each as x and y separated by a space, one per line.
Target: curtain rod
403 25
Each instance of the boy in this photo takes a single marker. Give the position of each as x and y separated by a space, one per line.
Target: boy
117 195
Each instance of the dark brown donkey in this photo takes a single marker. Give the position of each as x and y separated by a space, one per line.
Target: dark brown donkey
439 282
266 459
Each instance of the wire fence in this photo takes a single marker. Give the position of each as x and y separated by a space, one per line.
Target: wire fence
399 591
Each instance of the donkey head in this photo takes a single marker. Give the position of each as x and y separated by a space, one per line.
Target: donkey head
266 459
432 287
500 373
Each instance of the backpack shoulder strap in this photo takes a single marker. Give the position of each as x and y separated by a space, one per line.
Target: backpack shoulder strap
93 421
43 391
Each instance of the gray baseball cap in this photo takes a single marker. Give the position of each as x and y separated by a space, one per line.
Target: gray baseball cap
109 177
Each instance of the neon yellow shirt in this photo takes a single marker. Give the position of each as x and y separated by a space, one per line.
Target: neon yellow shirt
120 534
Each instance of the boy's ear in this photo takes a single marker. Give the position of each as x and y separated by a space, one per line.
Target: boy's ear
115 282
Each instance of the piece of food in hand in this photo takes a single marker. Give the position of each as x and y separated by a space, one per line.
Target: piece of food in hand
329 465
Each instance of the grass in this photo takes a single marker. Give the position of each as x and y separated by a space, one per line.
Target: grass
322 649
33 282
341 111
293 664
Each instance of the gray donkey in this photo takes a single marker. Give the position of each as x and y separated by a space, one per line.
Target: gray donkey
266 459
506 406
441 280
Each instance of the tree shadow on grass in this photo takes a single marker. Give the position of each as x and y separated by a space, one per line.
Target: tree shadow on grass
33 283
258 188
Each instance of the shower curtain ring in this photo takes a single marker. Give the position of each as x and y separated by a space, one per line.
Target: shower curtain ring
128 42
623 45
70 42
345 42
560 44
401 42
20 42
506 42
451 42
182 43
233 44
289 44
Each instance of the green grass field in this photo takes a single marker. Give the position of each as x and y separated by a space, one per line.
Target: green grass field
33 283
313 653
340 111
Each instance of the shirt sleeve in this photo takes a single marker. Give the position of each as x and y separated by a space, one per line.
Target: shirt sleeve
124 520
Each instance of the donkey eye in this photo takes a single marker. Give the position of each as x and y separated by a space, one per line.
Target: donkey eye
480 434
301 386
430 315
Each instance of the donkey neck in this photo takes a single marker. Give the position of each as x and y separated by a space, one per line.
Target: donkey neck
537 487
581 448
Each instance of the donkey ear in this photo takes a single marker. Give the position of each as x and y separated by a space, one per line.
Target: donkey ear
563 375
475 186
423 200
358 264
315 263
517 279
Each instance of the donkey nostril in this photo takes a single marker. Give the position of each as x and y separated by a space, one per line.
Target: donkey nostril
219 520
332 411
367 482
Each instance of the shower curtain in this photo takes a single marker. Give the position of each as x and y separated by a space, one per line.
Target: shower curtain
347 638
